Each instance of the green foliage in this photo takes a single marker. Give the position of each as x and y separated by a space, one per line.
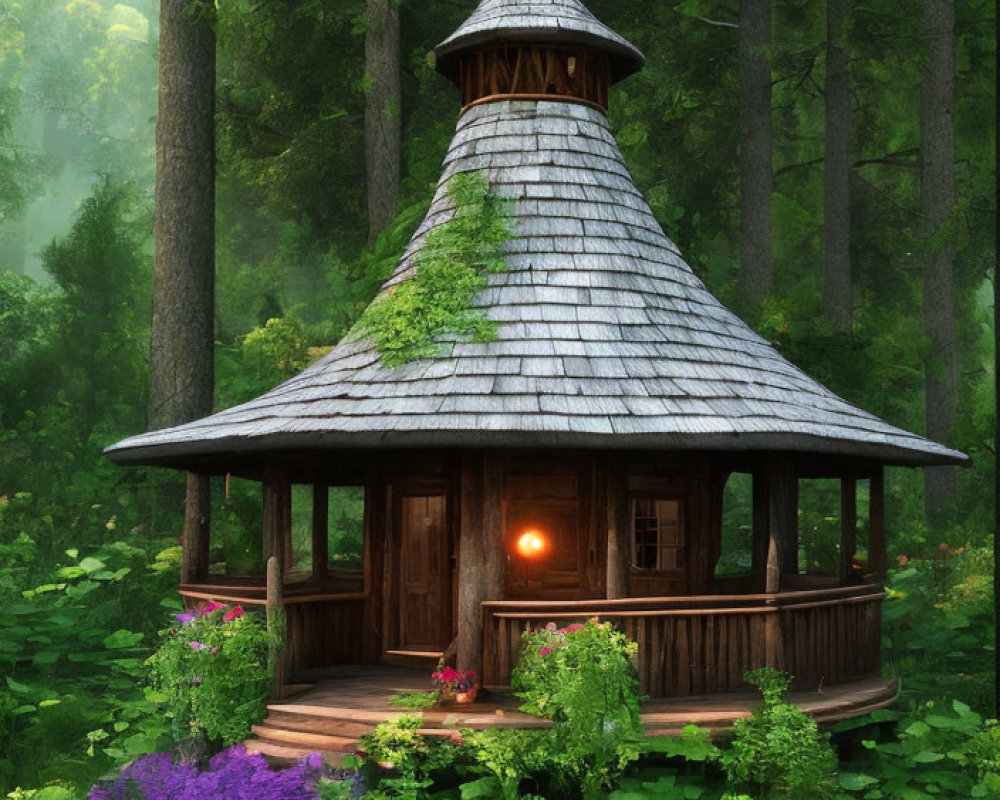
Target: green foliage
778 751
583 678
939 627
211 674
399 760
410 319
946 753
72 652
415 701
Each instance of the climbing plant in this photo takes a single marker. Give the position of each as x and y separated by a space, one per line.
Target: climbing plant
450 271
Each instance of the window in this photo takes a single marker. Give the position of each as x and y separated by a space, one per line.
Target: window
236 544
862 543
658 533
302 536
345 531
736 553
819 526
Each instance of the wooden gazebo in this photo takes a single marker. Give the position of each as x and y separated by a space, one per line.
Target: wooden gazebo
623 417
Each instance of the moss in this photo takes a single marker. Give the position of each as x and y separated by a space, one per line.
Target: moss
451 270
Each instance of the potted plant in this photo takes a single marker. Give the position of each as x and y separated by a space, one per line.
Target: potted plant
456 684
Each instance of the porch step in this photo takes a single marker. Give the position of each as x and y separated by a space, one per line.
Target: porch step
307 723
312 741
277 755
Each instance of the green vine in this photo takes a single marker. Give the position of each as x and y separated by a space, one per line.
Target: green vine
451 270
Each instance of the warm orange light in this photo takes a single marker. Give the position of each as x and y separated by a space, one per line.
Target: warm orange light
531 544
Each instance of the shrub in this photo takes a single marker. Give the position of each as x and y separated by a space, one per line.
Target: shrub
399 761
583 678
233 774
778 751
212 673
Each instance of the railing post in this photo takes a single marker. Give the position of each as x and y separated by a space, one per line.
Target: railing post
276 625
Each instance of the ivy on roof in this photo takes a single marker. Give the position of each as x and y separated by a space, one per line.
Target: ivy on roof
407 321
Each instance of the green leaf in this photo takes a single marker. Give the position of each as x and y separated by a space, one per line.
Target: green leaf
918 728
18 688
49 703
122 639
91 564
855 781
26 709
927 757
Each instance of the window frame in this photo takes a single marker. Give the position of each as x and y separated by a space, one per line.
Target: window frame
683 518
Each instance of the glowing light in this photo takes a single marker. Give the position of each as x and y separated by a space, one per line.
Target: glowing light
532 544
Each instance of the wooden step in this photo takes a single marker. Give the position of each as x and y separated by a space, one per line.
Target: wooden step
312 741
277 755
312 724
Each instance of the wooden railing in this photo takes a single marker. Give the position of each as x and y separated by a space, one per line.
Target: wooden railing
323 629
700 645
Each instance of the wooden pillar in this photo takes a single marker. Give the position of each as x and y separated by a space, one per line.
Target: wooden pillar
782 520
277 528
876 522
320 533
761 530
849 528
482 555
782 550
376 575
197 528
619 522
276 624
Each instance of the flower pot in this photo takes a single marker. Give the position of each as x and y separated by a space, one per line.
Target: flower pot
468 696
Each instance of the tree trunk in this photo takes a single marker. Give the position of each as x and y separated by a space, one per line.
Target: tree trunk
181 346
382 112
837 294
996 398
181 366
937 198
756 256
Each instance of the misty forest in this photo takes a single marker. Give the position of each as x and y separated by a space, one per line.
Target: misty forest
827 170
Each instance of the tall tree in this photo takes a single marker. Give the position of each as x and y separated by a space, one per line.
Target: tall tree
382 111
184 223
996 383
937 200
757 179
181 364
837 288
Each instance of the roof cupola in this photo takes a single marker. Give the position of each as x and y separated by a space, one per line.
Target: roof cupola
536 49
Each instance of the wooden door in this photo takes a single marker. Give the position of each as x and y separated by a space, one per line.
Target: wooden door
424 574
548 504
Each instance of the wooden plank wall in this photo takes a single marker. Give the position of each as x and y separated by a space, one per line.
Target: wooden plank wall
828 637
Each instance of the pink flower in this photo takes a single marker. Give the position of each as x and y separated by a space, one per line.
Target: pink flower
211 606
545 651
576 626
197 646
551 627
234 613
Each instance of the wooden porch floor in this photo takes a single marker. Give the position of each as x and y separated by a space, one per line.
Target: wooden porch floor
335 713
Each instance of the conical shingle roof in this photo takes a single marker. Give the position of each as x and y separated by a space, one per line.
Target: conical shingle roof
553 22
606 338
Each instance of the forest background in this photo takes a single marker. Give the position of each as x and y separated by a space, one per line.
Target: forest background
89 552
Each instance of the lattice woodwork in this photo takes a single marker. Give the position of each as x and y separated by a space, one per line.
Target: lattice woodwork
524 70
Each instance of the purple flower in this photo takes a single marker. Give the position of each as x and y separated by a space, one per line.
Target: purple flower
197 646
187 617
233 774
